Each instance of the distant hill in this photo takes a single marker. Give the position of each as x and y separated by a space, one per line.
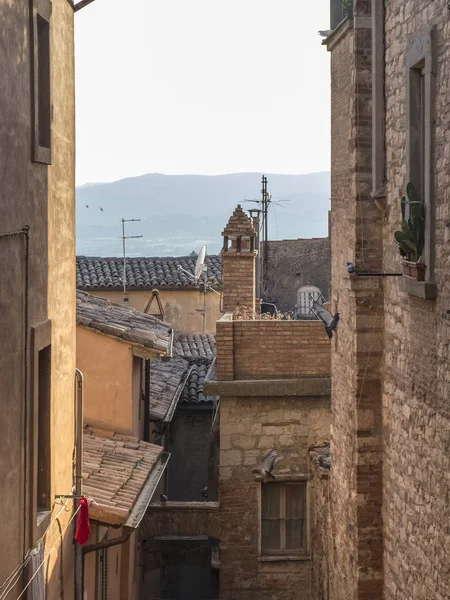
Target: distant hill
181 212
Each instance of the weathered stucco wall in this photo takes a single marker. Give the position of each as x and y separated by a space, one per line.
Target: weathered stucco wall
107 365
181 307
41 197
249 428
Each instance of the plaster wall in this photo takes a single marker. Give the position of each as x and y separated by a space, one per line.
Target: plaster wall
249 428
41 197
107 365
181 307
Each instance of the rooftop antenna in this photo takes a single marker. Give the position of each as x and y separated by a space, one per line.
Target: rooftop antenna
124 238
200 277
265 203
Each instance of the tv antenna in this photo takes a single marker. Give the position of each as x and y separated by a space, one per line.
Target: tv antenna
265 204
124 238
200 279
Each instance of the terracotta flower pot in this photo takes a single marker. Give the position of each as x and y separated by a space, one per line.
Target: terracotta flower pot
414 270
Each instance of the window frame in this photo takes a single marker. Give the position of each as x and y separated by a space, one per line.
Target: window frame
420 110
41 339
42 10
307 289
287 553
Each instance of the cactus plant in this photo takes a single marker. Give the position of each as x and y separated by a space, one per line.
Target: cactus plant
411 238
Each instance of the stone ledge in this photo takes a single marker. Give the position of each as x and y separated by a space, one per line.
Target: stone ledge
306 387
282 558
427 290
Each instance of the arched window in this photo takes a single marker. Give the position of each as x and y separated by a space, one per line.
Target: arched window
305 298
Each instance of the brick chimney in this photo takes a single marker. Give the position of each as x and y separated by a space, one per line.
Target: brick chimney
238 262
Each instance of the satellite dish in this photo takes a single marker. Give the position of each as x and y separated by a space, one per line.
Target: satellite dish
200 263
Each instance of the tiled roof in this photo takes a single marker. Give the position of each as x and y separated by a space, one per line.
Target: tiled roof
196 346
239 224
95 273
193 392
122 322
117 474
167 380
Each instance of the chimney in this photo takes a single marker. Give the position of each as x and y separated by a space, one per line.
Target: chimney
238 262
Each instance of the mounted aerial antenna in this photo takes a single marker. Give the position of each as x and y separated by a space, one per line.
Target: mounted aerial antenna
124 238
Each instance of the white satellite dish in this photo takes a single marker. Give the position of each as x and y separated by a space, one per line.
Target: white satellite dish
200 263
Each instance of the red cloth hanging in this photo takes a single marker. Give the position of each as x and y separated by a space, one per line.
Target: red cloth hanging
83 529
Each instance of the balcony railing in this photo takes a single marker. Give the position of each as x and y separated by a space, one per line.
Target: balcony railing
340 10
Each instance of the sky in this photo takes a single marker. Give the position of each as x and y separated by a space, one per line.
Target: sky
201 87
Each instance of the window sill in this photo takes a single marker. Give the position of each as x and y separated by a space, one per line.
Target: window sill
427 290
284 558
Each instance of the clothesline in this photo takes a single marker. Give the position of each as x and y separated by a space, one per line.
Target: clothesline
48 553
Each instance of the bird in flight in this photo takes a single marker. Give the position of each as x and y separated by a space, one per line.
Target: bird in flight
101 208
328 319
87 205
267 464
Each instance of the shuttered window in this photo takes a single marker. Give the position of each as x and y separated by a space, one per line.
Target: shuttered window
283 513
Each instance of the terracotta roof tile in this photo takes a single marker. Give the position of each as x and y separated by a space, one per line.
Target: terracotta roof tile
115 469
96 273
122 322
195 347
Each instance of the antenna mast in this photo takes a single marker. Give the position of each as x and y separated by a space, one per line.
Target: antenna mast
124 238
265 201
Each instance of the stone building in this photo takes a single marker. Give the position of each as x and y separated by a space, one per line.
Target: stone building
37 295
183 303
389 485
296 271
273 379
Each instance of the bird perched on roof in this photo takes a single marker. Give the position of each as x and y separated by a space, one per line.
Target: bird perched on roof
324 33
204 493
328 319
351 268
267 464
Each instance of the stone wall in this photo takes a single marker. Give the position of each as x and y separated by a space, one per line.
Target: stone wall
250 427
416 391
271 349
320 538
293 264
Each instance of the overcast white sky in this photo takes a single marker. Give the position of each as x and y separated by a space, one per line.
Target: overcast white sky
201 86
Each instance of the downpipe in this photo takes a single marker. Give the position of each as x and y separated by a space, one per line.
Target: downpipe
78 432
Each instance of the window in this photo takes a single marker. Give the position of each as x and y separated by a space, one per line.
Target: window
420 86
306 295
43 431
40 446
42 107
283 518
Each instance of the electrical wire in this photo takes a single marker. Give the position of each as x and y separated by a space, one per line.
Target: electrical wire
15 575
49 552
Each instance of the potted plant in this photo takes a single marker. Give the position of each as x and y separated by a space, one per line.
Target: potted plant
411 238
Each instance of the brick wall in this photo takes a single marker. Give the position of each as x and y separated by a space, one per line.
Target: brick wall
238 279
249 428
271 349
356 477
416 391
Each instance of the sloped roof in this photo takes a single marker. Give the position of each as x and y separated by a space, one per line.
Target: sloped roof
122 322
193 392
239 224
195 346
145 273
167 380
120 473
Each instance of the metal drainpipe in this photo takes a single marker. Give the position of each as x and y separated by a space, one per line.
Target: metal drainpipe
102 546
78 430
